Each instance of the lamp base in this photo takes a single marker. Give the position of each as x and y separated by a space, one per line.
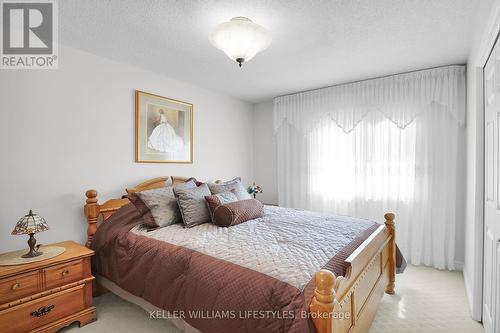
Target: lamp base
33 252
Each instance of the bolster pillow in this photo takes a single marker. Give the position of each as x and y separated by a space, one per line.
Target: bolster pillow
234 213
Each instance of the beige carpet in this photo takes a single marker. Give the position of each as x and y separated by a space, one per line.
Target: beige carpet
426 300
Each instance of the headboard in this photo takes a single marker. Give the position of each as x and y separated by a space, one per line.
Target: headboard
97 213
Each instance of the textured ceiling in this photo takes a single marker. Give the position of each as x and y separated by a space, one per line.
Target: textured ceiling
315 43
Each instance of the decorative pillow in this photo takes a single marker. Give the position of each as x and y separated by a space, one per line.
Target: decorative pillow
215 200
234 213
162 204
235 184
143 210
139 205
176 180
190 183
192 204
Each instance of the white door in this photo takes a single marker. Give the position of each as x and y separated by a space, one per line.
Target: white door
491 290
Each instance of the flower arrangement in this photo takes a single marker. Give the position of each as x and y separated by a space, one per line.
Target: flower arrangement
254 189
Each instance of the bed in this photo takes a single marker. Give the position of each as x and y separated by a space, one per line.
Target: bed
338 283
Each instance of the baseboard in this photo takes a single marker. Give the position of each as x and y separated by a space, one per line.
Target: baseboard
459 266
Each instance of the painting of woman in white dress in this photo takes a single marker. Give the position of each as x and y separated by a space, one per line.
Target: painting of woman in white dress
164 138
163 129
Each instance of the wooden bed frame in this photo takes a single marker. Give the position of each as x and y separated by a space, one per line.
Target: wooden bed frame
341 304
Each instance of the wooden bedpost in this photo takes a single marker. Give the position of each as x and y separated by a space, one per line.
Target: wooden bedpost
91 211
321 306
389 223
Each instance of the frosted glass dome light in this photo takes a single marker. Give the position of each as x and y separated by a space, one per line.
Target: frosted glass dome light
240 38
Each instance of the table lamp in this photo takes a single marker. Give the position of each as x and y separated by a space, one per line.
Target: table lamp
31 224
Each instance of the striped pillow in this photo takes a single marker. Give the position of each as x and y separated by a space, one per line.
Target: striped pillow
234 213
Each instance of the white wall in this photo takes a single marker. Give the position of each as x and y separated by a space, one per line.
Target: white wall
68 130
265 152
487 23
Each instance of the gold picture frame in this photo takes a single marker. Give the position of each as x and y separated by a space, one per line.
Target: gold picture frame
163 129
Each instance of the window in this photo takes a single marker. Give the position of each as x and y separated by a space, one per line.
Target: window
374 162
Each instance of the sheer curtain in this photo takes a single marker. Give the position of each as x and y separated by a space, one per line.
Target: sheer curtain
390 144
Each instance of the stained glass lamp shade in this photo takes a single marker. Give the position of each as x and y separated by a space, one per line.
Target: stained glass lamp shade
30 224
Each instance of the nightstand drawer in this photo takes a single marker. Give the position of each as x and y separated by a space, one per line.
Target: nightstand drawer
64 273
28 316
18 286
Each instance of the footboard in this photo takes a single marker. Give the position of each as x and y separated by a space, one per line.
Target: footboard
348 303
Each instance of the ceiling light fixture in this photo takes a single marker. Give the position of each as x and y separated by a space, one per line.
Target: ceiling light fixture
240 38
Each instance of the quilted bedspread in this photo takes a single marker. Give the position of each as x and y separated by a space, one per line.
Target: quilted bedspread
252 277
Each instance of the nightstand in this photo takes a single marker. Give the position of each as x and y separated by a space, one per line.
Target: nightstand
47 295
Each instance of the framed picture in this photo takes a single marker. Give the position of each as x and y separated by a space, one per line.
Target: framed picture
163 129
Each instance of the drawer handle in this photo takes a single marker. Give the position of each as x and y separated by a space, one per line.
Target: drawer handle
42 311
16 286
64 273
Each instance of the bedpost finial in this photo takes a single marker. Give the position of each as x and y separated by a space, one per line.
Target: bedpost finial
389 218
91 193
324 281
322 303
91 196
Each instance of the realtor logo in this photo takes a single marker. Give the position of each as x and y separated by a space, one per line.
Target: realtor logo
29 34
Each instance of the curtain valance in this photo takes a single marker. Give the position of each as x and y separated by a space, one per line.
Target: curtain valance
400 98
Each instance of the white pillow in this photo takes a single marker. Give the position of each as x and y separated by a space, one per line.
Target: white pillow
234 186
